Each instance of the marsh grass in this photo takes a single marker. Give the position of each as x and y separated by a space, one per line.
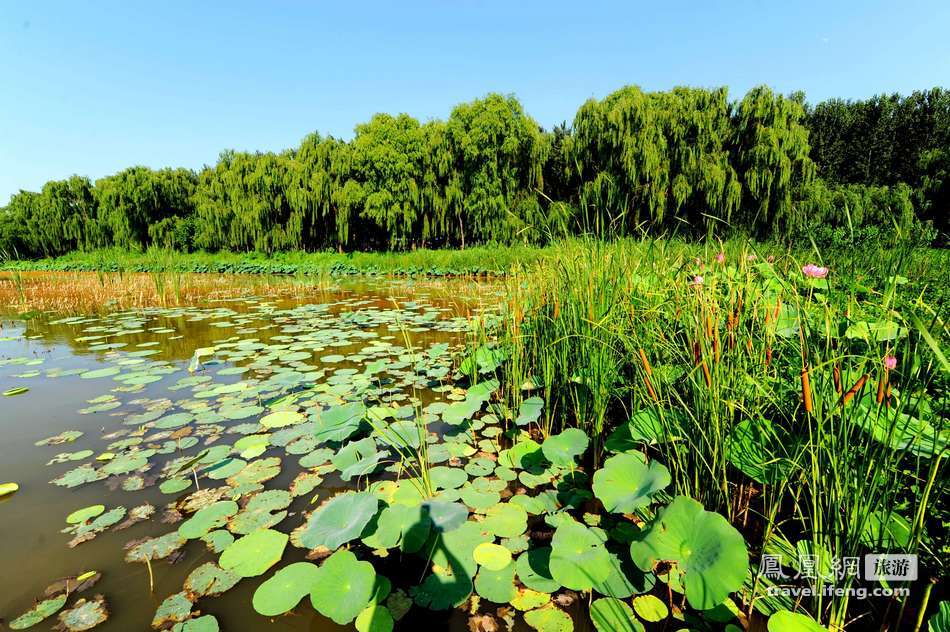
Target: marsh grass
629 331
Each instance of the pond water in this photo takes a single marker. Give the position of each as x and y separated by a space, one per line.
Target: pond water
120 406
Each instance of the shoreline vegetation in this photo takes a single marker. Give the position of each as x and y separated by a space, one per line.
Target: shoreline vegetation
688 161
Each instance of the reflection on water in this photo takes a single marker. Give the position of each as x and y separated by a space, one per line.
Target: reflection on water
324 336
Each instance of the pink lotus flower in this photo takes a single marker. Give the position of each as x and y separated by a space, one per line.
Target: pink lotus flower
697 280
815 272
890 362
721 257
751 257
770 259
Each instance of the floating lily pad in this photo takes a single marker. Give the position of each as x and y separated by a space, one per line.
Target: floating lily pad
84 615
173 609
578 557
282 418
343 588
338 521
254 553
282 592
42 610
82 515
209 580
208 519
549 619
492 556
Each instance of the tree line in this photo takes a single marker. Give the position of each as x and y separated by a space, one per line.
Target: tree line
687 160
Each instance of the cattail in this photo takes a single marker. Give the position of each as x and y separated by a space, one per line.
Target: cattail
649 372
707 375
847 397
806 391
837 376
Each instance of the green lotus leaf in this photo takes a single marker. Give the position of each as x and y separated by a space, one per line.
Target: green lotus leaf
523 454
650 608
282 418
155 548
282 592
710 553
344 587
614 615
175 485
625 579
207 519
82 515
528 599
340 422
626 483
578 557
530 411
39 612
357 458
259 471
443 477
340 520
444 515
494 557
534 570
404 526
224 468
756 449
549 619
176 420
505 520
785 621
254 553
374 618
496 585
259 512
562 449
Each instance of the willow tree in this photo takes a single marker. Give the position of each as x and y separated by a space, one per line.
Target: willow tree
137 198
771 157
322 166
498 154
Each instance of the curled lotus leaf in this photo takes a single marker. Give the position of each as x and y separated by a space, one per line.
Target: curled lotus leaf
344 586
626 483
709 551
578 557
338 521
254 553
357 458
282 592
154 548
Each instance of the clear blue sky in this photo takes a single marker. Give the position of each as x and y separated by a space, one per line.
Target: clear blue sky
93 87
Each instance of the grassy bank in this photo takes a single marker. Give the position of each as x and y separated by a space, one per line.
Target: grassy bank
804 398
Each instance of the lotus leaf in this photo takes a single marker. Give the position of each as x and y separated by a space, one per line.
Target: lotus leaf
613 615
282 418
282 592
626 483
84 615
39 612
209 580
340 520
208 519
561 449
708 550
374 618
404 526
549 619
578 557
505 520
492 556
785 621
254 553
496 585
344 587
82 515
174 609
206 623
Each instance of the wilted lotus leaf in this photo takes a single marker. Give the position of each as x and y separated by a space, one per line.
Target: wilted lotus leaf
154 548
136 515
174 609
343 587
84 615
404 526
208 519
209 580
259 511
578 557
206 623
39 612
614 615
492 556
496 585
625 482
82 515
282 592
549 619
253 554
338 521
200 499
710 553
527 599
305 483
505 520
282 418
66 436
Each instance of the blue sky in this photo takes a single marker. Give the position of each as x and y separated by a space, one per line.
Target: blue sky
93 87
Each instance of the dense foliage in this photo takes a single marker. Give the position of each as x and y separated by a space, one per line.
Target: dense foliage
688 161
